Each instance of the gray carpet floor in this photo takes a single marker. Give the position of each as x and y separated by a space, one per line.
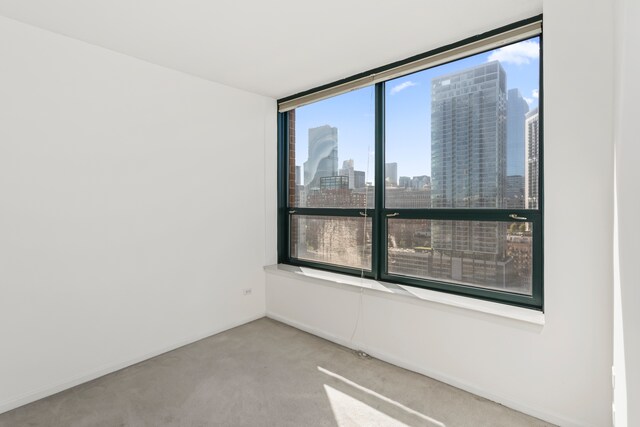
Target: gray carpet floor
264 373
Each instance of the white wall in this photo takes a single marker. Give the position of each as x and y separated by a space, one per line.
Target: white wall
131 210
559 372
627 268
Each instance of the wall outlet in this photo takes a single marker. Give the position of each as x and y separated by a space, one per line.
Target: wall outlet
246 292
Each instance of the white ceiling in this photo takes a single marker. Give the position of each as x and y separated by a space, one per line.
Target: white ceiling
270 47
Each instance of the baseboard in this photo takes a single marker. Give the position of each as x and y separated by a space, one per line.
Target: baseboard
447 379
105 370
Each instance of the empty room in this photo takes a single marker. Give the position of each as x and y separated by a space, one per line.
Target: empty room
337 213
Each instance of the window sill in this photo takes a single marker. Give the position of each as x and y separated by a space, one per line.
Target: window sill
381 288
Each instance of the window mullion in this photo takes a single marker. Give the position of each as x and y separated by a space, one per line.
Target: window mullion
379 252
283 184
349 212
465 214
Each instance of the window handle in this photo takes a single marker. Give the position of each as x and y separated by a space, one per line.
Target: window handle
292 211
392 214
363 214
515 216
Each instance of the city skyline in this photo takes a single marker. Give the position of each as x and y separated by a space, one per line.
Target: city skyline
408 111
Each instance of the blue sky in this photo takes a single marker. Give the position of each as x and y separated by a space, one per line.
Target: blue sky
408 111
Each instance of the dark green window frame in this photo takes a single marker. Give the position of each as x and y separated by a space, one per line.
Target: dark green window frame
380 214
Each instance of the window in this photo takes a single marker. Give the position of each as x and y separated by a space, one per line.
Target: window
431 176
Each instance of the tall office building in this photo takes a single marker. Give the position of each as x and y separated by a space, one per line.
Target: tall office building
348 171
468 156
514 191
323 155
517 109
532 149
356 178
391 174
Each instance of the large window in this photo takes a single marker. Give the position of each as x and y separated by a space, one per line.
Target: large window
428 178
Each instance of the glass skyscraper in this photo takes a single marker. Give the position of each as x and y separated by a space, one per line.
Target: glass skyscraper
517 109
391 174
323 155
468 155
532 138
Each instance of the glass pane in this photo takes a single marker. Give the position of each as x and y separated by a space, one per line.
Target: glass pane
484 254
335 240
465 134
331 152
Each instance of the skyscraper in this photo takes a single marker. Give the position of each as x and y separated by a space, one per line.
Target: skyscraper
359 179
514 191
323 155
356 178
532 149
347 170
391 174
468 155
517 108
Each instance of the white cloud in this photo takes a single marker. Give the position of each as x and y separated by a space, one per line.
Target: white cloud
519 53
534 93
529 100
402 86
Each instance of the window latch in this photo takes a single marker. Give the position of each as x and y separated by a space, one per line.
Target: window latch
392 214
515 216
292 211
363 214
